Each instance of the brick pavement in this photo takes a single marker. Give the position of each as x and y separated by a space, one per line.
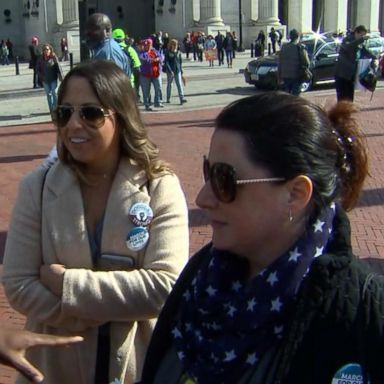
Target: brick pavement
183 137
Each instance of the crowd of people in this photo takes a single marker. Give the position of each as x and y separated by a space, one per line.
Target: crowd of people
97 248
198 45
145 62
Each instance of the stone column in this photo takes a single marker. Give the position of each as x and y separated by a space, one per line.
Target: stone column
210 12
368 14
254 10
67 13
196 10
70 13
268 12
300 15
335 15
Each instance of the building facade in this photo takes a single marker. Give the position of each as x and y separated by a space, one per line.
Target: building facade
52 19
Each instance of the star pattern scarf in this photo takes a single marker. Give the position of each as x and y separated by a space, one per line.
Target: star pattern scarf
226 322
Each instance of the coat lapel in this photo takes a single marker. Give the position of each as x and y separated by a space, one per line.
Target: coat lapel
126 190
64 219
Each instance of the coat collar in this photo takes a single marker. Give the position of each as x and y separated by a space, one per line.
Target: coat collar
61 178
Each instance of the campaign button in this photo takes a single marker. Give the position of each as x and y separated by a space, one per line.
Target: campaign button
141 214
349 374
137 238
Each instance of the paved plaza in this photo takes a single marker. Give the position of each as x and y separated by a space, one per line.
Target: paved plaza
182 134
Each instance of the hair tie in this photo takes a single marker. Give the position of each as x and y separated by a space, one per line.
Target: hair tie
345 143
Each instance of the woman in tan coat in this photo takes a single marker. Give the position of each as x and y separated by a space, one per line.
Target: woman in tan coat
97 241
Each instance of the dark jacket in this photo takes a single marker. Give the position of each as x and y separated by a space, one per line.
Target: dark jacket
346 65
35 53
230 43
293 56
49 70
173 62
338 319
219 41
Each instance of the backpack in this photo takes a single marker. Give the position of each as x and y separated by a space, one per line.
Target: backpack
110 57
130 61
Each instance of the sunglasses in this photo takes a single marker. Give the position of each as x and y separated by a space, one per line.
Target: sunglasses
93 115
224 181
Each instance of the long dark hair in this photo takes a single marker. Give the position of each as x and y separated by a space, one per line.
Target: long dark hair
291 136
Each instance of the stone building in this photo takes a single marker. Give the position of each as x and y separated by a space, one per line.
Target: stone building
52 19
48 19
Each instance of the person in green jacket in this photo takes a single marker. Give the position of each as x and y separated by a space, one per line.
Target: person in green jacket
120 37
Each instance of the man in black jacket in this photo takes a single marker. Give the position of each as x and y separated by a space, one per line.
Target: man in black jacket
219 38
351 50
34 52
292 61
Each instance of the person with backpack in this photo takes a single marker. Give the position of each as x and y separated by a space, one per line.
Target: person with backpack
120 37
293 59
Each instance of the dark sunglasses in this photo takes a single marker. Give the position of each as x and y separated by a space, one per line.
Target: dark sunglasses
224 180
94 115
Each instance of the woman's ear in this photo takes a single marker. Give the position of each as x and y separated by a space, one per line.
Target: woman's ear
300 193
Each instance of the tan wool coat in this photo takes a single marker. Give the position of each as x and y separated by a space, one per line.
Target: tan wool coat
129 299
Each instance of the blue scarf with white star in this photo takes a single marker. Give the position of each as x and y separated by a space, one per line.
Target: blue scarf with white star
227 322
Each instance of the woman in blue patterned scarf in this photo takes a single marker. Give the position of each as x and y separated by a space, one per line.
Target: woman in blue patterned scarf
277 296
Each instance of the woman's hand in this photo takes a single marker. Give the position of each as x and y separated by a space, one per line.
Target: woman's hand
52 276
14 343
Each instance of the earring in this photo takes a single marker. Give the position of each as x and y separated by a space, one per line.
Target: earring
290 217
